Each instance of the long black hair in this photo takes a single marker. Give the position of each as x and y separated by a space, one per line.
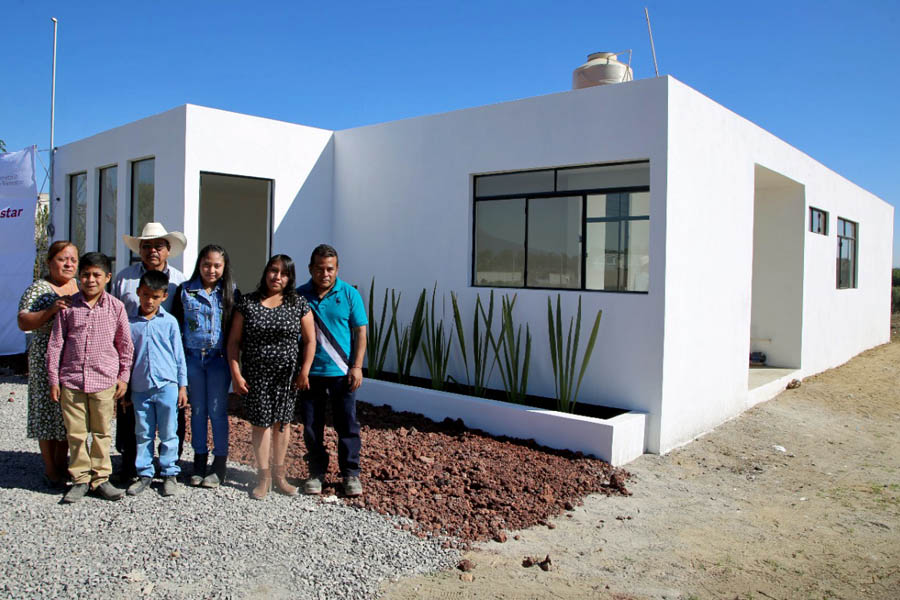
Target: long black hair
289 295
227 280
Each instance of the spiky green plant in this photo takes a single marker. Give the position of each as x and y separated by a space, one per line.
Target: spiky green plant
480 346
378 339
437 343
564 361
406 343
508 352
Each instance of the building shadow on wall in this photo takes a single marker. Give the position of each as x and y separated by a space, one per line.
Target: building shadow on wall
308 220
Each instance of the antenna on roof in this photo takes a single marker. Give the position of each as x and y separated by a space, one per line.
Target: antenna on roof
652 47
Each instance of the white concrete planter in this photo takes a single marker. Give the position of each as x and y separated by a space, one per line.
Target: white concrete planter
618 440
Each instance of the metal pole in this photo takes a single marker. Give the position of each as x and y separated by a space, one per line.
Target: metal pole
652 47
50 227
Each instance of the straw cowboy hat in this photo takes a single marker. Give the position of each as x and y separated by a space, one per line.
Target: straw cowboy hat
155 231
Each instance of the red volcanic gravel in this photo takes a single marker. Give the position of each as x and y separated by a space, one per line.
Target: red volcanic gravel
450 480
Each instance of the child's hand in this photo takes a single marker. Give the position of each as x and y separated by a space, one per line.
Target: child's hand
182 397
121 388
54 393
240 386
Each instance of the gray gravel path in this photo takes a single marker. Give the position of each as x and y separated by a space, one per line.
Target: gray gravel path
198 544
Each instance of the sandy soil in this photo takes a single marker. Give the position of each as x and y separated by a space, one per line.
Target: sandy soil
730 515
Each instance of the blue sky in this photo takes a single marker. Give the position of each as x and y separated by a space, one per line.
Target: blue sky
821 75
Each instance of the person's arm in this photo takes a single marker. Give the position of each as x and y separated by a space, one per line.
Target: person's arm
355 375
125 348
234 352
54 351
180 364
178 309
29 321
307 351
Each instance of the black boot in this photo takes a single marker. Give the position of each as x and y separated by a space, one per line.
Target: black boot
217 477
199 469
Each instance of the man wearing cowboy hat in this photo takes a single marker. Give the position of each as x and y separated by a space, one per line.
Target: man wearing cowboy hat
155 246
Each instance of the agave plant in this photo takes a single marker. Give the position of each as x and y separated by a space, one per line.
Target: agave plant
480 346
564 360
378 338
508 351
406 343
437 344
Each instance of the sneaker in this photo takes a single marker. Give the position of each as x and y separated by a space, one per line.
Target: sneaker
352 486
170 486
313 485
75 493
139 486
109 492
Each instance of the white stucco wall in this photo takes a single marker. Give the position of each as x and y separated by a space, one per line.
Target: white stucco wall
190 139
712 155
299 160
403 213
160 137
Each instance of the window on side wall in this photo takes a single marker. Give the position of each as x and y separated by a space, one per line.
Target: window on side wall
847 236
581 228
78 210
818 221
106 229
142 192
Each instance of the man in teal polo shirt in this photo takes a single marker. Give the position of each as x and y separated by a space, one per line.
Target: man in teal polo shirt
336 372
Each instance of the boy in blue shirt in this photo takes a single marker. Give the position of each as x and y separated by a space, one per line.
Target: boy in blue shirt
158 383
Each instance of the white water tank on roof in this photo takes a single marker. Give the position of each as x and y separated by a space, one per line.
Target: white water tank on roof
601 68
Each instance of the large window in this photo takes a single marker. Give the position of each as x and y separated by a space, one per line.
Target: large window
106 228
848 234
581 228
78 210
142 189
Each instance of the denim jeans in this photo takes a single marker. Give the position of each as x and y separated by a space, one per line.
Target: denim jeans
334 391
208 381
156 409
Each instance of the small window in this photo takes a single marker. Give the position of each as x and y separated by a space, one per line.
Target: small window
142 192
78 210
848 233
106 230
818 221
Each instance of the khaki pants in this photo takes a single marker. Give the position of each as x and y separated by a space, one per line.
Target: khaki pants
83 414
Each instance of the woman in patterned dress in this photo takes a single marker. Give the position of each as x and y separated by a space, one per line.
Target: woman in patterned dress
266 333
37 308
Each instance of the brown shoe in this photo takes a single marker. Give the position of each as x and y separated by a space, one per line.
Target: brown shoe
263 484
281 483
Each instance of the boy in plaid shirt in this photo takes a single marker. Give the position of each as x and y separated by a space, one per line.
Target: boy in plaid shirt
89 359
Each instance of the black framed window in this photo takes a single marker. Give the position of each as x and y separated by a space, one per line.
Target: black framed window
142 192
78 210
106 226
818 220
848 234
582 228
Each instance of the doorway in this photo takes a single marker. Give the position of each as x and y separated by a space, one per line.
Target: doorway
776 319
236 213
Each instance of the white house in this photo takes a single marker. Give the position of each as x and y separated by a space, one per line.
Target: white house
701 236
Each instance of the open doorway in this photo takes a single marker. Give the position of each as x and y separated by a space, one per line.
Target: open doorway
776 321
235 212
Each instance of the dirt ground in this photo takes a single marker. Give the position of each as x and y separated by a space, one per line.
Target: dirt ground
797 498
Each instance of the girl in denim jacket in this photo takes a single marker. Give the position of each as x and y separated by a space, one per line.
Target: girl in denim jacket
203 306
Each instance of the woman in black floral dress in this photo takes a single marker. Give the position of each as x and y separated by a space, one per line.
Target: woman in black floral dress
37 310
266 334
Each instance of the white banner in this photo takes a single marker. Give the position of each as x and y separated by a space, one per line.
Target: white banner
18 199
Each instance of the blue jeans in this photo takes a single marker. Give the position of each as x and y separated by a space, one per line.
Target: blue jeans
208 380
336 392
156 409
